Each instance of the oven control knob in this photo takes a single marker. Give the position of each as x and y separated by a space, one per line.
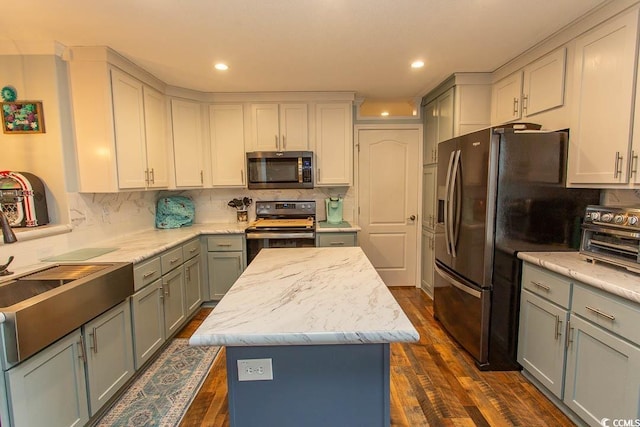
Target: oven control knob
633 220
595 216
619 219
607 217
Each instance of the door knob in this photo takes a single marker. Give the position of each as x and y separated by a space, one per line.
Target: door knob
412 218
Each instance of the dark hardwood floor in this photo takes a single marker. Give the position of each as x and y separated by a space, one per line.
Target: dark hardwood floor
433 383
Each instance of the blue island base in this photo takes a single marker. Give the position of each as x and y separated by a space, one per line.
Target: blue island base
312 386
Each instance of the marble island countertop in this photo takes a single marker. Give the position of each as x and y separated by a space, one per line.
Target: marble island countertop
307 296
617 281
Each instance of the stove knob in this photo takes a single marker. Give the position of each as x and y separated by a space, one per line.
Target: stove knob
595 216
633 220
619 219
607 217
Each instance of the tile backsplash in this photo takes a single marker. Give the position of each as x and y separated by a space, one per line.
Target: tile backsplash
98 217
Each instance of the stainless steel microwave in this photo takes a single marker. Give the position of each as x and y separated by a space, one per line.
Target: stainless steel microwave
280 169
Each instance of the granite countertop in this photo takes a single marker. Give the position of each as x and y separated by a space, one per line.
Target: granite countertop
617 281
343 227
307 296
137 247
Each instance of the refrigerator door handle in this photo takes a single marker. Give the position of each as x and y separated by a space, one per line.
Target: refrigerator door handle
457 284
451 215
457 182
446 203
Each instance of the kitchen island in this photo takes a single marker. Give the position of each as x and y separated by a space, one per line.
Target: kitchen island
319 322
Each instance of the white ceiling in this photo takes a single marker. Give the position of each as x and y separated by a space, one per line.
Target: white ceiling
364 46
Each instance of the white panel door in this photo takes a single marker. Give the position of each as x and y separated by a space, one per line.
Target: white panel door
155 116
294 133
187 143
506 99
388 198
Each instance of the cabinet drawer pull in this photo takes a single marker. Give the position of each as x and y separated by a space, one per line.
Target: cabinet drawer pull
558 326
541 286
600 312
337 243
192 250
149 274
223 244
174 260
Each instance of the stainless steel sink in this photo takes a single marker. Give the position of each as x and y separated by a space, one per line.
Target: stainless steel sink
43 306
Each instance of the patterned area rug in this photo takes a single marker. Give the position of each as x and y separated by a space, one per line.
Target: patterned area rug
164 391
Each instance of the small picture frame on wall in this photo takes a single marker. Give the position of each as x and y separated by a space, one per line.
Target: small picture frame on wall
22 117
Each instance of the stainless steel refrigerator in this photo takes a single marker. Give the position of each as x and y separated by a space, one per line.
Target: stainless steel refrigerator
499 192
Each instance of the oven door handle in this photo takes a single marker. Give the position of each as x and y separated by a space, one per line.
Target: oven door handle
611 230
256 236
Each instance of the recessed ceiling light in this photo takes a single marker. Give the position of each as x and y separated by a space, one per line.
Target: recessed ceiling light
221 67
417 64
384 113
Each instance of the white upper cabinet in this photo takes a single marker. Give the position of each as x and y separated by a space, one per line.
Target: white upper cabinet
334 144
279 127
139 125
538 87
155 119
543 83
603 94
226 130
120 126
187 143
506 99
128 115
461 104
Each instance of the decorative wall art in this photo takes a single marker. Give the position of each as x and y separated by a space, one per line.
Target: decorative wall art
20 116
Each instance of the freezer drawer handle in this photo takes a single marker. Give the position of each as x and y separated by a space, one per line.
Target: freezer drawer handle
458 284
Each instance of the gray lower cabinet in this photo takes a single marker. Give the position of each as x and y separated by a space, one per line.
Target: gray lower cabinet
147 313
582 344
67 382
193 284
173 301
224 270
49 389
109 354
339 239
541 340
226 260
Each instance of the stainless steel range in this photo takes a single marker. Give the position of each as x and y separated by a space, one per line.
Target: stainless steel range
612 235
281 224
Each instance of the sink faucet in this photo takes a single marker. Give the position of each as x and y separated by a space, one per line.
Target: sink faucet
7 233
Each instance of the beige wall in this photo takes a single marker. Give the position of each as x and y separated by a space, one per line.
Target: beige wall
37 78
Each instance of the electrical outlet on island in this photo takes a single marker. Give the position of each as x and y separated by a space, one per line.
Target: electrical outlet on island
255 370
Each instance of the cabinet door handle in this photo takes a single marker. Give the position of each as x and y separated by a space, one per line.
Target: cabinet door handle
166 289
188 273
525 101
152 176
541 286
558 326
149 274
568 337
633 164
94 339
515 106
277 146
146 176
82 356
617 171
201 177
242 176
284 142
600 312
318 174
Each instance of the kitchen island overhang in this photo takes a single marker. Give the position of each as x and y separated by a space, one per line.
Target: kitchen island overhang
324 318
